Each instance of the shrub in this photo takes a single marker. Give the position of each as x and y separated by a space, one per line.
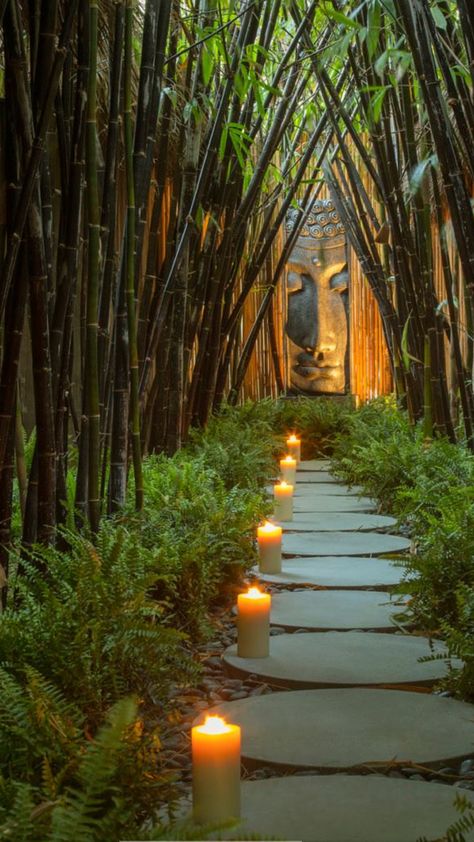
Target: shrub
202 534
91 625
116 617
57 783
430 487
238 444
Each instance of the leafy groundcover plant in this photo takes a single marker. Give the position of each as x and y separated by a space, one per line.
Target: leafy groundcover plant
94 637
429 485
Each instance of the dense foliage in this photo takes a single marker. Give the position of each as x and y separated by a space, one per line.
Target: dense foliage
90 651
429 485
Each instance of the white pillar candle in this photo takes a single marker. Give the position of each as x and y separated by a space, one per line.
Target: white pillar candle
216 771
269 547
288 469
293 444
283 494
253 624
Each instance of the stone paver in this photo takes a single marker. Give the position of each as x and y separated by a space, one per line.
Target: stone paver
332 503
346 808
342 543
344 659
303 489
314 465
311 489
335 572
335 610
315 477
340 729
352 723
338 521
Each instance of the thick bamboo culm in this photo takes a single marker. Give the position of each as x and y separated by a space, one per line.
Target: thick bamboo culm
370 373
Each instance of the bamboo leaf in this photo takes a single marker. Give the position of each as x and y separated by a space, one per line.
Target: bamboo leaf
406 356
377 103
418 174
223 142
339 17
439 18
207 64
258 95
381 63
373 28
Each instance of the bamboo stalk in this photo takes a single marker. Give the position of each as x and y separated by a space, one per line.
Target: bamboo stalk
130 259
93 230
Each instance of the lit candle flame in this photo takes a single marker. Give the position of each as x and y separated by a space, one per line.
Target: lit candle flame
268 526
293 439
283 484
214 725
254 593
288 459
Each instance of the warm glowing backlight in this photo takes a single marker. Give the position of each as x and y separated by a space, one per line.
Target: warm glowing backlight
214 725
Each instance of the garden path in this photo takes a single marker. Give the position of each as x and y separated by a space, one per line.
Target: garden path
332 744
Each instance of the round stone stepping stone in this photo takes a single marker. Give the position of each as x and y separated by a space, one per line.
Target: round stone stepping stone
337 521
315 477
336 610
336 572
342 543
346 808
313 489
344 659
314 465
333 503
341 729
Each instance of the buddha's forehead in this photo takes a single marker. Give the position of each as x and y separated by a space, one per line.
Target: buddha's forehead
318 253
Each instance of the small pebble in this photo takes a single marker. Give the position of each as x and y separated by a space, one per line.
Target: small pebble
259 774
464 784
417 778
240 694
209 684
226 693
215 697
214 662
259 691
174 763
466 766
277 630
236 683
201 705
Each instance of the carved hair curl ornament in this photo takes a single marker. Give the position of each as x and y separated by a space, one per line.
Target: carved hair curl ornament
322 221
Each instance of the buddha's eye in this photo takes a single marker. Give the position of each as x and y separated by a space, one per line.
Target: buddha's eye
294 281
340 281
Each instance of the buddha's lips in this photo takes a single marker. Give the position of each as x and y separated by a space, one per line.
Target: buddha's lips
314 370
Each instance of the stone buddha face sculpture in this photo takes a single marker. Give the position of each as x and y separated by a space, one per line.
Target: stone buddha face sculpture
317 283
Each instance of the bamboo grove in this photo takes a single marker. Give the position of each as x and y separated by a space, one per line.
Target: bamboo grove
149 155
